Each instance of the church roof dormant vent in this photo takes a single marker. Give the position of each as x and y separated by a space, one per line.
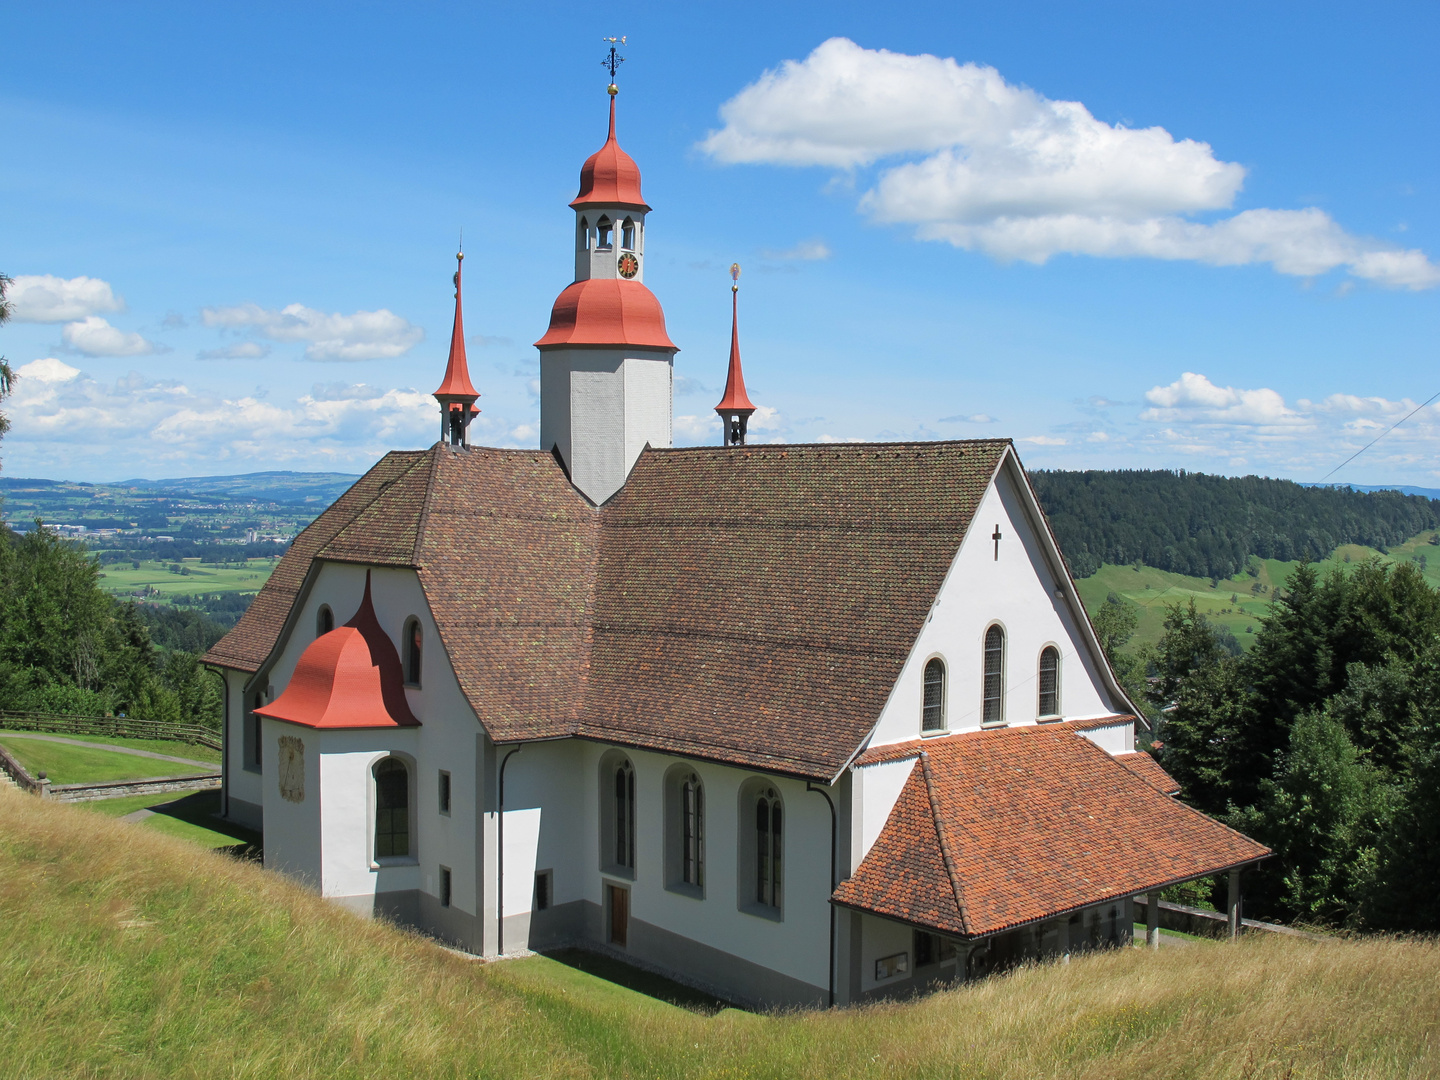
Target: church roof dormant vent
456 393
348 678
735 407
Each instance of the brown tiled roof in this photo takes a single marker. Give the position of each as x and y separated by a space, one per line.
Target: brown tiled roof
750 605
1148 769
1034 822
755 605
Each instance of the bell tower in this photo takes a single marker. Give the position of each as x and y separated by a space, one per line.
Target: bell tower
735 407
457 394
606 362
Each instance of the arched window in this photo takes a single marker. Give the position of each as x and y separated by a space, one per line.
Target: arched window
627 235
769 848
994 706
603 229
932 717
584 234
623 786
392 809
324 620
413 652
1049 681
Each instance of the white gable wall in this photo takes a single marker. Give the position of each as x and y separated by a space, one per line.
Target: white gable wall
1017 590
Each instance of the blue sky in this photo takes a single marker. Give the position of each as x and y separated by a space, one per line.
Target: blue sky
1126 235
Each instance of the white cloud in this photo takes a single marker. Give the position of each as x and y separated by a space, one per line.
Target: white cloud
805 250
973 418
1193 398
365 335
241 350
48 370
45 298
1044 440
1005 170
94 336
696 429
840 439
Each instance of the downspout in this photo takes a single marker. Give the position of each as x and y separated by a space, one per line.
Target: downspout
500 858
810 786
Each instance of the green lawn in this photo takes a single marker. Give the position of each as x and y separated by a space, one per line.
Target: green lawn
66 764
134 955
190 817
172 747
198 578
1152 591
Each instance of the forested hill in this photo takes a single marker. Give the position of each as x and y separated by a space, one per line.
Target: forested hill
1209 526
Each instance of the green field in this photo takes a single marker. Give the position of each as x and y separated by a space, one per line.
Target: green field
1237 602
161 579
67 764
190 817
132 954
173 747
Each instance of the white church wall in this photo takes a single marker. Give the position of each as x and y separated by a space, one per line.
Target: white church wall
292 802
600 407
445 740
243 786
1017 590
1113 738
875 789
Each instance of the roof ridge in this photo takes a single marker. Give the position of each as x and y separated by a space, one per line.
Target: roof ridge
770 448
955 885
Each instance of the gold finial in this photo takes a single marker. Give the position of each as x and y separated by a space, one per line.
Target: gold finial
735 277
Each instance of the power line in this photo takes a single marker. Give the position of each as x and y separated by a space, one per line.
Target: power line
1377 438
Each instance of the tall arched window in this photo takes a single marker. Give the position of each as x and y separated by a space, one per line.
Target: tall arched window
627 235
624 791
932 717
603 229
584 234
324 620
413 652
994 705
692 831
392 808
769 847
1049 681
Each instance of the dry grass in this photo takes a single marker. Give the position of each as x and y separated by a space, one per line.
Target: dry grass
130 954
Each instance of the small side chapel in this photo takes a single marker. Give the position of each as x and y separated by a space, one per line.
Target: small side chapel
797 724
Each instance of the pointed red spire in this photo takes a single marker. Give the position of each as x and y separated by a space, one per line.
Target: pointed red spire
456 385
610 176
735 399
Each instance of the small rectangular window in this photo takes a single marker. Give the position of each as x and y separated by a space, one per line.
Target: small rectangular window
444 792
932 949
444 886
542 890
887 967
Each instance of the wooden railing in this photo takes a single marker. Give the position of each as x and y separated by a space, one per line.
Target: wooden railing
116 727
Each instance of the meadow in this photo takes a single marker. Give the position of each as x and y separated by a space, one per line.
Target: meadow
68 763
131 953
157 578
1239 602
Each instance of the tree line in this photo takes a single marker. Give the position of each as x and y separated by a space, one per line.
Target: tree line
1323 741
67 646
1210 526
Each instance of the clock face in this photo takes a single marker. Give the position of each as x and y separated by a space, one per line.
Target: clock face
629 265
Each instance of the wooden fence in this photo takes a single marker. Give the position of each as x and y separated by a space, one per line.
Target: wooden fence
116 727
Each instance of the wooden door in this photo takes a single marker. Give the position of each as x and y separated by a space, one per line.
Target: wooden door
619 914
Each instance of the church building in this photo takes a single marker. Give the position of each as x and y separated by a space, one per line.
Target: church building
797 724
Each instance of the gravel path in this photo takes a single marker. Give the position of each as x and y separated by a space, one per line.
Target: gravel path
209 766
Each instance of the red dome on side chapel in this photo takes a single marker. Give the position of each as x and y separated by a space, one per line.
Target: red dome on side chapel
610 176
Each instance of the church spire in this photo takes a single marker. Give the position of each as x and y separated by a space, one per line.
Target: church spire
735 407
457 394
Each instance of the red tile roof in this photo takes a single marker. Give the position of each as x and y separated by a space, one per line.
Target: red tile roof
752 605
607 311
610 176
995 829
1148 769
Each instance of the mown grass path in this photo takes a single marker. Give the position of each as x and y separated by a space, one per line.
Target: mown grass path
133 954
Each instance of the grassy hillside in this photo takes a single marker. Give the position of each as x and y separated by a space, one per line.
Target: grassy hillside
133 954
1152 590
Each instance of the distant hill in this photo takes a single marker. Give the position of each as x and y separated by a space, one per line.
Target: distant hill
1210 526
320 488
1404 489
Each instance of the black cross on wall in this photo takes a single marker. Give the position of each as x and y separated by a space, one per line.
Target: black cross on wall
996 537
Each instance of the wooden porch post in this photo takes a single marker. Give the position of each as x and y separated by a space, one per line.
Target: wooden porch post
1232 906
1152 919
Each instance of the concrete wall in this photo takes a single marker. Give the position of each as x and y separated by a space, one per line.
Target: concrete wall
876 788
292 828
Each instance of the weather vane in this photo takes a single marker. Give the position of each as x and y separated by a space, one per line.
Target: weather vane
735 277
614 60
